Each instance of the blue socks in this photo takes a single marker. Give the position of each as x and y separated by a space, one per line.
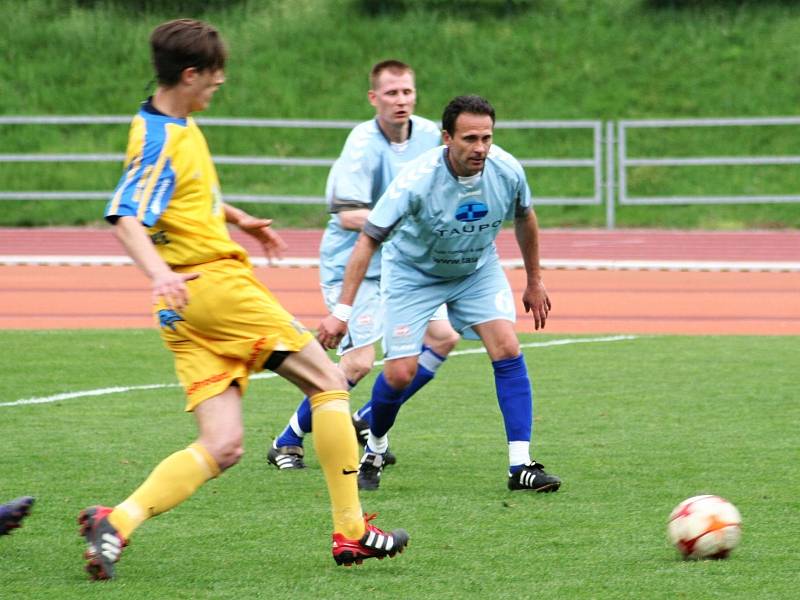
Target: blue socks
380 411
386 403
515 397
299 425
427 365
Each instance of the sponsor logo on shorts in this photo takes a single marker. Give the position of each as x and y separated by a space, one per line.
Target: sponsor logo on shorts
401 331
470 211
168 318
257 348
364 320
199 385
404 347
504 302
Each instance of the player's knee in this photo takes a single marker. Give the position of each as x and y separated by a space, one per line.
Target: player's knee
331 378
230 455
505 350
444 343
226 451
401 375
234 455
356 370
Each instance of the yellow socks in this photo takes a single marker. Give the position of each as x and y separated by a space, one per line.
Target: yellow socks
179 475
337 451
171 482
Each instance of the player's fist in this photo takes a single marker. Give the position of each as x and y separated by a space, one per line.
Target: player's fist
330 332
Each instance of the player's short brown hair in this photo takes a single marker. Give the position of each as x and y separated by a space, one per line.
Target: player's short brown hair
393 66
184 43
465 104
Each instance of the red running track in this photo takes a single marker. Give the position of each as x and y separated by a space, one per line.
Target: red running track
44 297
691 302
630 244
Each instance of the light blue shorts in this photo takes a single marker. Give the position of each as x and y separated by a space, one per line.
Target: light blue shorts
366 324
410 298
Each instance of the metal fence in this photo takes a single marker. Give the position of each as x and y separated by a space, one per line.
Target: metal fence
625 161
609 143
593 162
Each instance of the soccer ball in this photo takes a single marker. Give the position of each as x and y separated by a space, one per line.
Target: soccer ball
705 527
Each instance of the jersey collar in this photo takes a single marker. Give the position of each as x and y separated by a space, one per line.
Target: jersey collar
468 181
147 106
386 137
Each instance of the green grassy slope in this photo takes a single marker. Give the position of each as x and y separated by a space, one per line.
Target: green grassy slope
577 59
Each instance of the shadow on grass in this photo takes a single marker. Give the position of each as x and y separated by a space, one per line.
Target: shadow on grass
193 8
716 4
465 8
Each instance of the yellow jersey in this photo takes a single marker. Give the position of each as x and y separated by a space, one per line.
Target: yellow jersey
170 185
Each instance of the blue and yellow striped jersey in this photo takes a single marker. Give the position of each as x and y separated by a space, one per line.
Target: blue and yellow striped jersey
170 185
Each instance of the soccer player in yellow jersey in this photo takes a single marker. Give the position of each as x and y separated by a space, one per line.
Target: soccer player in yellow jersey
219 321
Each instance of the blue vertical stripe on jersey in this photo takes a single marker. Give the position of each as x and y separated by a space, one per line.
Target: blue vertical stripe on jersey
146 187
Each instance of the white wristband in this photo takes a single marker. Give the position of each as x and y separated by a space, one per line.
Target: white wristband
342 312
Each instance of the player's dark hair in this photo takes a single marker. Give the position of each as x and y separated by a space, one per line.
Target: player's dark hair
465 104
393 66
184 43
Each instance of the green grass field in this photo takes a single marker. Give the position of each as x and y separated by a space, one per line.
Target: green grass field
632 426
534 59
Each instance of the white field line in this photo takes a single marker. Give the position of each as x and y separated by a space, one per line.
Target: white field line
552 263
157 386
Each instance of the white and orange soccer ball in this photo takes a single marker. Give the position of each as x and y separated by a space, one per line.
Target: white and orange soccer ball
705 527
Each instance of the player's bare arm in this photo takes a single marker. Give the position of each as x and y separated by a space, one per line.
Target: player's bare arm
332 328
353 220
261 229
166 283
534 298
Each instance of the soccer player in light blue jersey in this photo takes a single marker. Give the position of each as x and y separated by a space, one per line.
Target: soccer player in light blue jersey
375 151
443 212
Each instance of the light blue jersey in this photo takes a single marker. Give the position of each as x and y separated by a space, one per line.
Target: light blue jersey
367 165
442 225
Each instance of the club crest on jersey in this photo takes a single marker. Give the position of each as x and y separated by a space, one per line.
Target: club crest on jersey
168 318
470 211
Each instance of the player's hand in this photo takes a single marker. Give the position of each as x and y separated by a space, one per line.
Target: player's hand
171 287
537 302
272 243
331 331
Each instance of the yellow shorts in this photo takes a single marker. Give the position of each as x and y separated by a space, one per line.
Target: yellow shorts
228 330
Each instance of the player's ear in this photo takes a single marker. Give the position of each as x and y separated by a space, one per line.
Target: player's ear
446 137
373 98
189 74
